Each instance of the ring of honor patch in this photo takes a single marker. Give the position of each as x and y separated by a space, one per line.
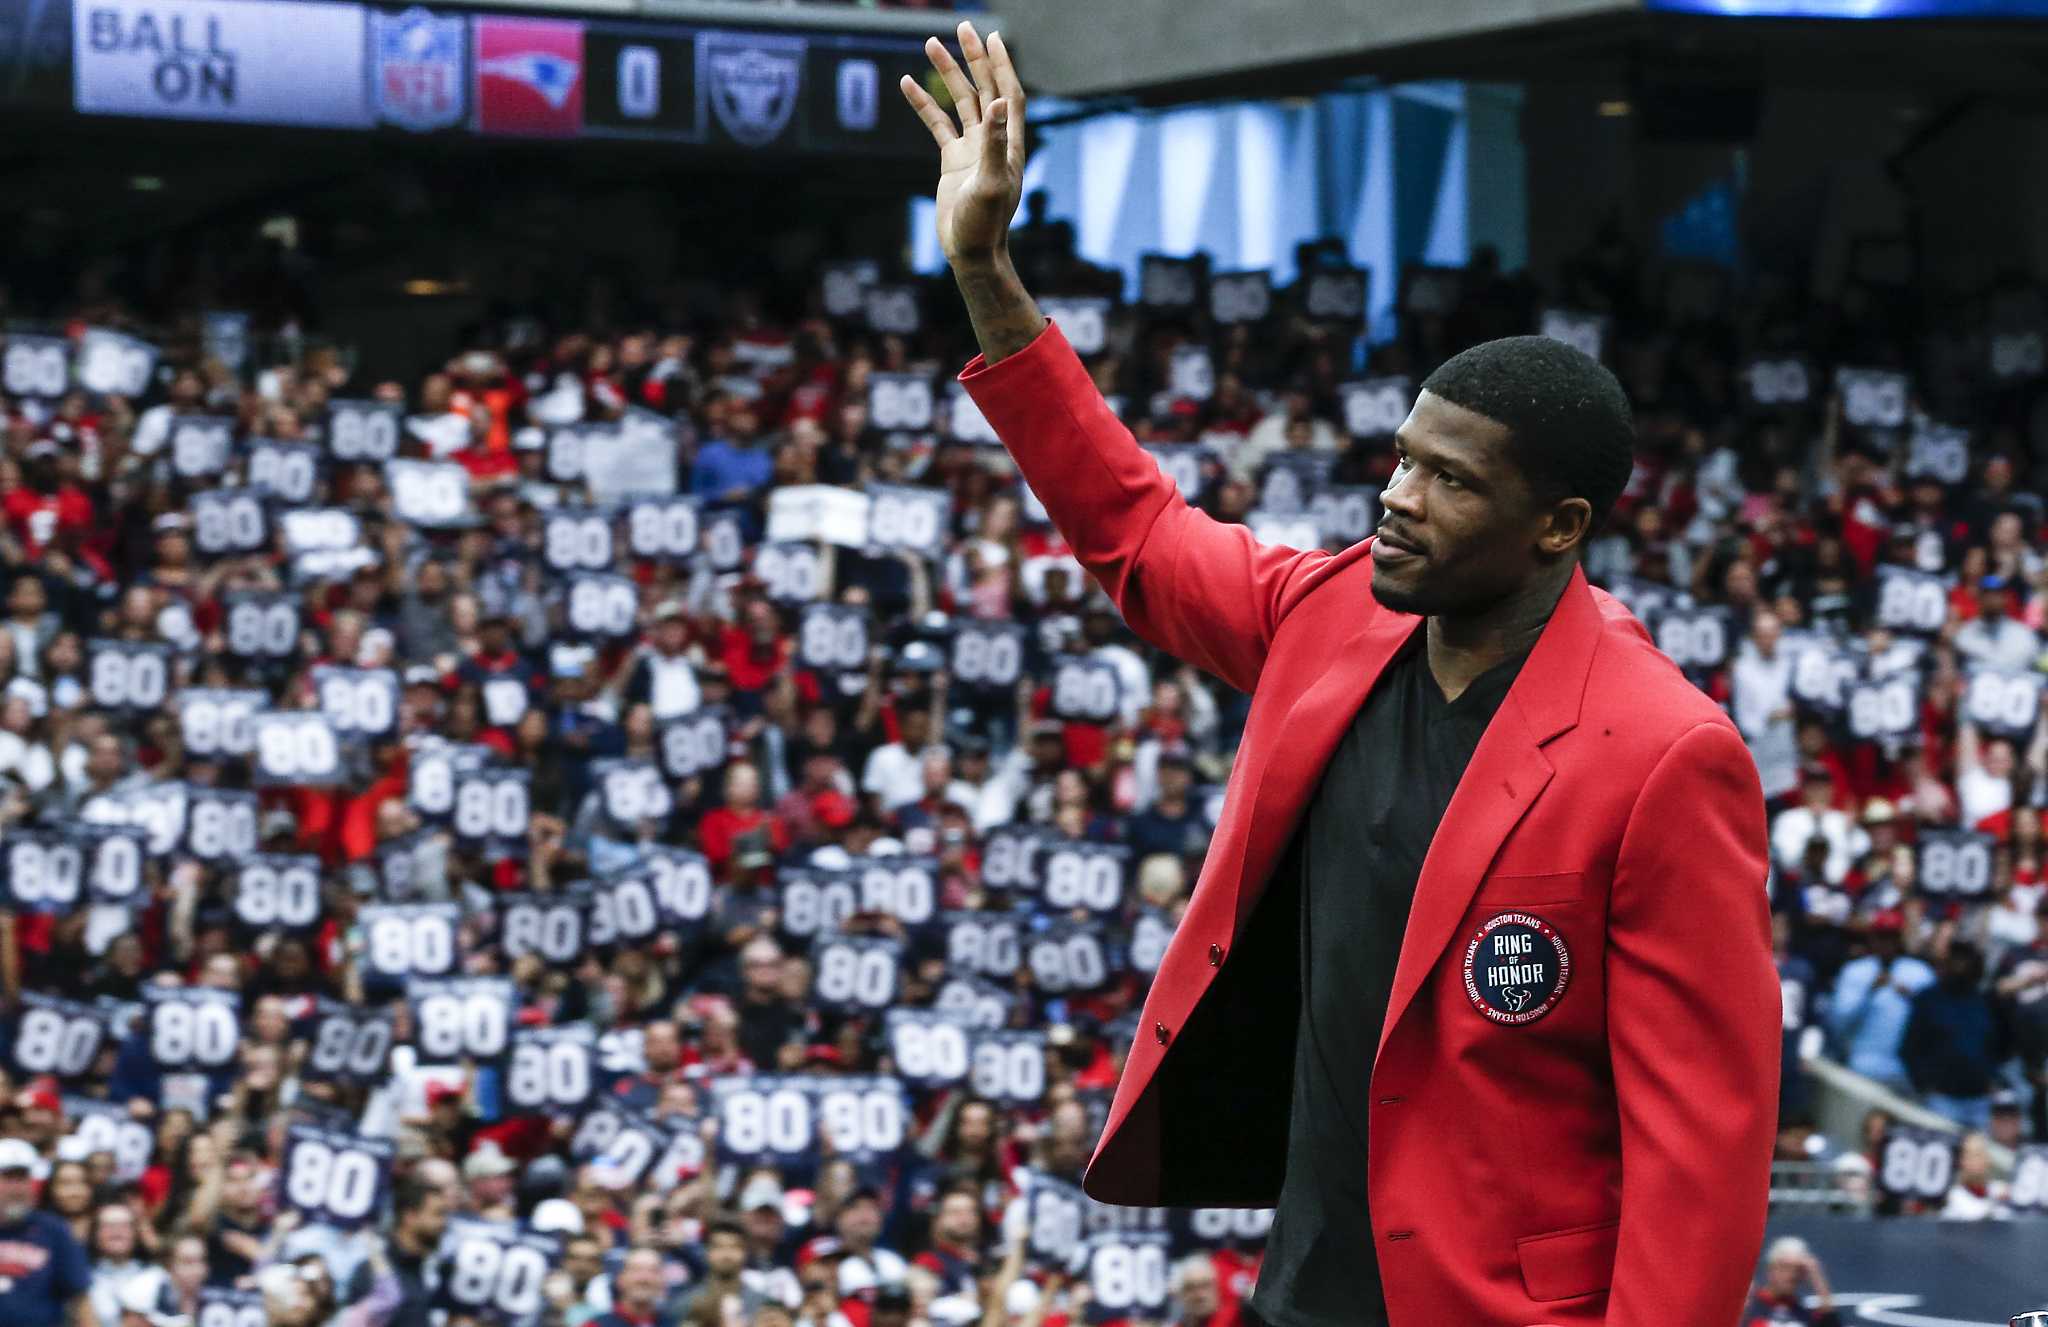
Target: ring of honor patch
1516 968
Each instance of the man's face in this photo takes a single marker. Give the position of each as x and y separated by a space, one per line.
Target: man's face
242 1187
429 1220
959 1219
105 761
17 1195
640 1280
1993 603
859 1222
726 1255
1198 1293
1460 498
662 1048
188 1264
582 1260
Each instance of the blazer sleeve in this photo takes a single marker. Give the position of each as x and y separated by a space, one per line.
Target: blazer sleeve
1200 590
1693 1016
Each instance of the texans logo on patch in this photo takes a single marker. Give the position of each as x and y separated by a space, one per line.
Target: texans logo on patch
1516 968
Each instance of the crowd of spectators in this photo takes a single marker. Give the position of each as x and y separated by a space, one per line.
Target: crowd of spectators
516 844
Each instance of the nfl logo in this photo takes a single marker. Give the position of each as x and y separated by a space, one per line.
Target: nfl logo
418 74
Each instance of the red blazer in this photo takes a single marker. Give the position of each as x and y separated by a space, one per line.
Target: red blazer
1605 1159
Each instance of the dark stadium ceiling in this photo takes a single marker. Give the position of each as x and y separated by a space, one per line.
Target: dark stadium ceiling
1164 51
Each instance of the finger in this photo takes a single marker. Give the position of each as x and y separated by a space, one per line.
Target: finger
1007 84
1011 90
978 65
935 119
995 141
965 103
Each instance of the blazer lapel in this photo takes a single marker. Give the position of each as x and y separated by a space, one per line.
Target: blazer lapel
1308 734
1508 771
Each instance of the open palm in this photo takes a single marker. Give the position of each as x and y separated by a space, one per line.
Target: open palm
981 158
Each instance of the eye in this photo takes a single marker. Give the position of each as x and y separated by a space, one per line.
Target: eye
1449 478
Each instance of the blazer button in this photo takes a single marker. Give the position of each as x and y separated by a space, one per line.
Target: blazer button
1159 1031
1215 956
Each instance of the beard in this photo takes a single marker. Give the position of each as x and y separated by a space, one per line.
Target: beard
1404 599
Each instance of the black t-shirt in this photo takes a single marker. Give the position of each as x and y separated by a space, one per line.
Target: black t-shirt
1360 850
224 1266
416 1290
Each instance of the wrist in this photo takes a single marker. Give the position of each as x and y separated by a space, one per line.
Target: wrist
983 263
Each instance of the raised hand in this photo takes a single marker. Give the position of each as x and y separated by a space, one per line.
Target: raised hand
981 159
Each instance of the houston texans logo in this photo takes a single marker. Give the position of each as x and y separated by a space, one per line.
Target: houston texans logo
552 76
1516 997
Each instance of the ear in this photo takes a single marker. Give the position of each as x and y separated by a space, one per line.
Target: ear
1567 524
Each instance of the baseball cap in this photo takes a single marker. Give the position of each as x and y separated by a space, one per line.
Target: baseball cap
422 675
148 1296
1878 811
438 1093
17 1154
1994 581
41 1094
570 660
487 1163
833 808
37 696
919 656
821 1246
761 1192
557 1215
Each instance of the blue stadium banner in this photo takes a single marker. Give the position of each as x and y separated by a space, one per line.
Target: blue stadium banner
1934 9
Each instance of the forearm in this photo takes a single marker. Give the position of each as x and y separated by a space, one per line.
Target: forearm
1005 317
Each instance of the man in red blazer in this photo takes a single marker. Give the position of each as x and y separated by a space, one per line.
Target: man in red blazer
1475 988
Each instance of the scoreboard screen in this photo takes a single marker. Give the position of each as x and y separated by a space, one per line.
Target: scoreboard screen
341 65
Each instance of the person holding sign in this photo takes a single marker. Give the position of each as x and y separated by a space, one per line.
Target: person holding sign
1476 985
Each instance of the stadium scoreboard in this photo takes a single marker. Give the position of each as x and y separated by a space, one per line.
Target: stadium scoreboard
330 64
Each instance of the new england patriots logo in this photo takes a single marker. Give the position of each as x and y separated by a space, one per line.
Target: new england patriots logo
551 75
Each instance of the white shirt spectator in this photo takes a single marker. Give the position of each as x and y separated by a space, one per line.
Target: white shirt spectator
1845 839
1133 680
893 774
2002 644
1963 1205
1269 436
1762 688
1982 794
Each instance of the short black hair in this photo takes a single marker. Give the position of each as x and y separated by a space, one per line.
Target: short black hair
1570 419
409 1194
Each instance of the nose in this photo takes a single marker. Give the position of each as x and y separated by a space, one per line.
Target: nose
1405 498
